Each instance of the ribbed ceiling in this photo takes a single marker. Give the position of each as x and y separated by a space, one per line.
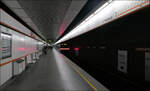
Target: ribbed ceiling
46 16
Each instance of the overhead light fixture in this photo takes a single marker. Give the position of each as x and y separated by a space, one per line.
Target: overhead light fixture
111 10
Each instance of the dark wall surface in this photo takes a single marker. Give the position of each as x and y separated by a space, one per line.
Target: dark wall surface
98 52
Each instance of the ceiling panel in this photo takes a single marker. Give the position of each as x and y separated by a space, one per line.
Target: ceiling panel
12 3
46 16
73 10
19 11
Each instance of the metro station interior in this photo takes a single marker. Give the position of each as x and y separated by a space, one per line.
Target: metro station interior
74 45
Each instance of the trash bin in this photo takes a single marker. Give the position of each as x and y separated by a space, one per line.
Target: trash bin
29 59
19 66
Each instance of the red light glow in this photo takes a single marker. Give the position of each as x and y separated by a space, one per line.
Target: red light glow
76 49
21 49
61 29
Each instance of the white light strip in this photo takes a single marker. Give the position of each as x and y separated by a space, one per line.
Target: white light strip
109 11
5 35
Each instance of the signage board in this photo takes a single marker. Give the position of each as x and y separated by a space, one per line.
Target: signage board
122 60
6 45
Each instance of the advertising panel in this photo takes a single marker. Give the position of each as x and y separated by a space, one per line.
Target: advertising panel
6 45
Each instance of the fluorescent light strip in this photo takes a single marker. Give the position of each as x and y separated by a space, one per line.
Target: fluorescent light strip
5 35
109 11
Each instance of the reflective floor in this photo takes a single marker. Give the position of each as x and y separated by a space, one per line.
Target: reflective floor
54 72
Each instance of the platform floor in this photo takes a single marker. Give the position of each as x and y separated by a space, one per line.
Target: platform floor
54 72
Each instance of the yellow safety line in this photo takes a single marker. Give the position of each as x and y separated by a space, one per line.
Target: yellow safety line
83 77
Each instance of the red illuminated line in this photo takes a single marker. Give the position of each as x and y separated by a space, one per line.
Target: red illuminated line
15 59
22 49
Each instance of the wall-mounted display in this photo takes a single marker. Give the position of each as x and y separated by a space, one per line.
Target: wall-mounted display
6 45
122 60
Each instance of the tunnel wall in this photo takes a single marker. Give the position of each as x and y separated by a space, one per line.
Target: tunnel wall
98 51
22 43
